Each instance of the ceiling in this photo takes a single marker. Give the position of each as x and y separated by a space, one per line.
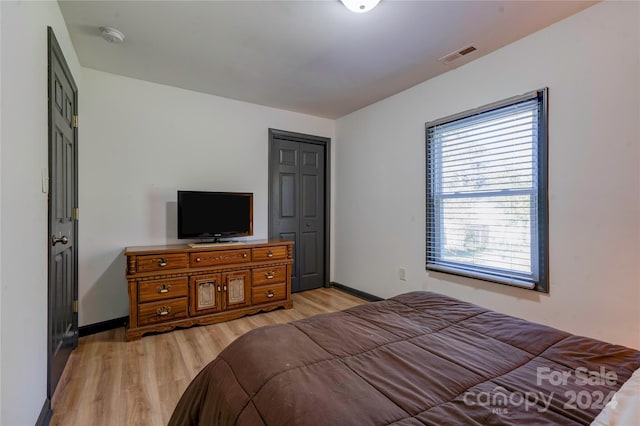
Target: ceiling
312 57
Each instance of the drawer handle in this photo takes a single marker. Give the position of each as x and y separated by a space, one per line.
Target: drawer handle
162 262
269 253
163 289
269 294
244 255
198 259
165 310
270 275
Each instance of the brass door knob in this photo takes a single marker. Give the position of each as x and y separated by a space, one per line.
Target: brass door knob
64 240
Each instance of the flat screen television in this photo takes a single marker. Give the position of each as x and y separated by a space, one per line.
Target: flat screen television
213 215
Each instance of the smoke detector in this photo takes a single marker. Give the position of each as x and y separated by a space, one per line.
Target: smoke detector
447 59
111 35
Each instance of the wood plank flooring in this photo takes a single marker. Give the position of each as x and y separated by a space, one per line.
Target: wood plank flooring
109 381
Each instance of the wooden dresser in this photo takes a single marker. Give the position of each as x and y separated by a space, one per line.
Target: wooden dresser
180 286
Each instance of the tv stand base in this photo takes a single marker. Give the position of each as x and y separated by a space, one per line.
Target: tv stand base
182 286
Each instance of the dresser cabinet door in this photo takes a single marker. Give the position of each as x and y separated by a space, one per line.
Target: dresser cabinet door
237 289
205 294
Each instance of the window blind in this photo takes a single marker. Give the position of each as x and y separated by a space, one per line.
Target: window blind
483 193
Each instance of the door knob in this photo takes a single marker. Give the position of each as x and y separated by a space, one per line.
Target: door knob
64 240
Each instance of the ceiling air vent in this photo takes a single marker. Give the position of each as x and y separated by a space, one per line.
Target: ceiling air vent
457 55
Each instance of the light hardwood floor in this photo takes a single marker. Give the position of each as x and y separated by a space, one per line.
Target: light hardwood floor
109 381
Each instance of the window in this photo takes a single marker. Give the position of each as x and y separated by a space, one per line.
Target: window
487 193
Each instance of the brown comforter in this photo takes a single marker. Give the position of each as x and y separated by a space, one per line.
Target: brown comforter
415 359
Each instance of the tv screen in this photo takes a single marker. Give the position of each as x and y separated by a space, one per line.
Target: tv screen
214 215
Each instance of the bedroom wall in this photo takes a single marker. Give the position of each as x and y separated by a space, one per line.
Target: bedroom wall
23 226
1 365
140 143
590 62
0 217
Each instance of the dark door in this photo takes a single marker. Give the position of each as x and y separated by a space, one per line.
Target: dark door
298 203
63 180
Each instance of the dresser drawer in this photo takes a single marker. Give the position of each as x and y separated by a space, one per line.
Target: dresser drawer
149 291
162 311
262 276
162 262
219 257
268 293
269 253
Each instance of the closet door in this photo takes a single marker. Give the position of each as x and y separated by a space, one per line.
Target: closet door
297 206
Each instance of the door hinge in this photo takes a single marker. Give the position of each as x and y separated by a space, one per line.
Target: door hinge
75 306
76 213
74 121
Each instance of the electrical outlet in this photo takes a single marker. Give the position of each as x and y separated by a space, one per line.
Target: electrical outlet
402 274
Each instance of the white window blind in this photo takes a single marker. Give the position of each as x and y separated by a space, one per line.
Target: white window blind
486 198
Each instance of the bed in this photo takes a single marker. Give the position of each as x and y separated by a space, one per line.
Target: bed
419 358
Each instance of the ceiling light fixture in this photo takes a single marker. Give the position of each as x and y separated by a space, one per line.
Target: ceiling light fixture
360 6
111 35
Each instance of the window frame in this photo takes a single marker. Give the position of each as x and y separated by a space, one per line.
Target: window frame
539 247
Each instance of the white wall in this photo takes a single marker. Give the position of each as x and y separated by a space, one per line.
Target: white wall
0 216
139 143
590 62
24 207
